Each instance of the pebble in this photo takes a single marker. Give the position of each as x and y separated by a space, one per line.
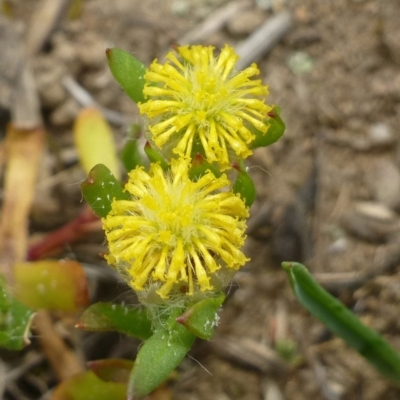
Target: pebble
246 22
375 211
383 179
180 8
380 134
371 222
339 246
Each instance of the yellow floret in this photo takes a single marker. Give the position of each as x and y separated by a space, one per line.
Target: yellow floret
174 232
197 100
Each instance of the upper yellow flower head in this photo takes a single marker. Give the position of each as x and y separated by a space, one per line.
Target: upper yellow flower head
174 234
199 100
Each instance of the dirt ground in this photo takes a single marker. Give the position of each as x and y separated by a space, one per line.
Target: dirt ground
328 193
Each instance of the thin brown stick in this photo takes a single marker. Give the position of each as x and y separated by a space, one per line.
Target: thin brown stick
215 22
263 40
63 360
43 21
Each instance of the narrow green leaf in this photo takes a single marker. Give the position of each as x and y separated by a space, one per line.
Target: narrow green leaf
155 156
244 185
202 318
200 166
343 322
130 154
116 317
129 73
275 131
158 357
15 320
88 386
100 188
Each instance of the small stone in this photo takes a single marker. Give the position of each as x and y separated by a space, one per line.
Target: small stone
180 8
300 62
380 134
339 246
246 22
383 179
375 211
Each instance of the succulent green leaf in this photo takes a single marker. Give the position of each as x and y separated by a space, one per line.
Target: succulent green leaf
154 156
15 320
158 357
276 129
202 317
343 322
94 141
130 154
200 166
51 284
100 188
116 317
88 386
244 185
129 73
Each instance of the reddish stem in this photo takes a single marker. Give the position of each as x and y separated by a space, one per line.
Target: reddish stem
68 233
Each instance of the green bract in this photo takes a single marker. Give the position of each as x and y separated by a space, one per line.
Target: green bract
100 188
129 73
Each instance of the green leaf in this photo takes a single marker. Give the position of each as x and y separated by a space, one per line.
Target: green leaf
51 285
343 322
94 141
158 357
275 131
155 156
88 386
100 188
244 185
202 318
130 154
129 73
15 320
116 317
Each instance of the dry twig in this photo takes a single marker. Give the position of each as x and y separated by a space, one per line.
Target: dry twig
215 22
250 353
263 40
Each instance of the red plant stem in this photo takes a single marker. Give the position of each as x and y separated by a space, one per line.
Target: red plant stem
68 233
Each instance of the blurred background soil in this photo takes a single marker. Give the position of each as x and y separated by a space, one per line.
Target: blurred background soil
328 193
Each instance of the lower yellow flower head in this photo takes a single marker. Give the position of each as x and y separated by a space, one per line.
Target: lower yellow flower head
176 234
198 99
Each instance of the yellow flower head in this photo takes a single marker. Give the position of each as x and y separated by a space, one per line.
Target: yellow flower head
199 100
174 234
